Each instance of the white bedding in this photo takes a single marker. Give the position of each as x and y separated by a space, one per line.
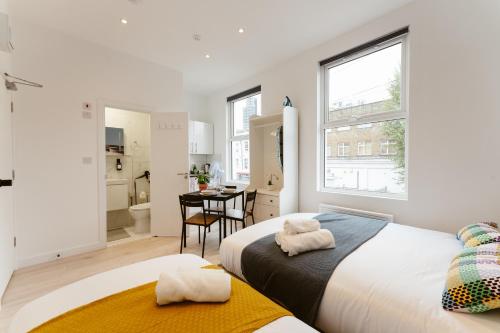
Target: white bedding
104 284
392 283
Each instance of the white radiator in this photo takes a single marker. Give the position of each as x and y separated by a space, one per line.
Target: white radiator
325 208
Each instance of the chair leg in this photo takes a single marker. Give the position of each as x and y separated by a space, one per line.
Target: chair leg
209 230
204 236
182 237
253 221
185 235
244 224
231 226
199 234
235 225
220 232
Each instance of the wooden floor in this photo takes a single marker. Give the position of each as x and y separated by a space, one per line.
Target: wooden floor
32 282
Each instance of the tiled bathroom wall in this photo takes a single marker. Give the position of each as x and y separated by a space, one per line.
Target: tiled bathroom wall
137 134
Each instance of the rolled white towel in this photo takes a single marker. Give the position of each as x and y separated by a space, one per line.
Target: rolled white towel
197 285
297 226
308 241
279 235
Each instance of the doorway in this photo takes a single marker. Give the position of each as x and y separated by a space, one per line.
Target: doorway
128 166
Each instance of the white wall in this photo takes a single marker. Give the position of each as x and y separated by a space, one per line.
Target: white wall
454 103
197 106
6 193
56 197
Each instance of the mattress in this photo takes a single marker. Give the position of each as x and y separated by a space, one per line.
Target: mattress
108 283
392 283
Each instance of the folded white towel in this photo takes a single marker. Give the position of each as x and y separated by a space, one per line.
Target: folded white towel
297 226
308 241
198 285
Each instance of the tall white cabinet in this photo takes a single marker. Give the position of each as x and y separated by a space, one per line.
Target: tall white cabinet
201 138
272 158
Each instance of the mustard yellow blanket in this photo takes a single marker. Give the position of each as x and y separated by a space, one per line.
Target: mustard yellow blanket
135 310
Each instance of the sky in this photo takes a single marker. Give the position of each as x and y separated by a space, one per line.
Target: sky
364 80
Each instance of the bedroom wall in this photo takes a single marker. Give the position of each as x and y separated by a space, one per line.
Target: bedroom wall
56 146
197 106
454 104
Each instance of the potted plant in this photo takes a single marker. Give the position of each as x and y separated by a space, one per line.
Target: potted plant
202 182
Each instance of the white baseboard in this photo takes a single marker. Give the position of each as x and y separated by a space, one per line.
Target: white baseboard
51 256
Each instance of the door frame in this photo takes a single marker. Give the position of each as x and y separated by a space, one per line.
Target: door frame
101 106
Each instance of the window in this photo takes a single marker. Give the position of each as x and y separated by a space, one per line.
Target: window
364 102
388 147
241 108
343 149
364 148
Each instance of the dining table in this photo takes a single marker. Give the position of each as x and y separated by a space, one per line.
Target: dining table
221 197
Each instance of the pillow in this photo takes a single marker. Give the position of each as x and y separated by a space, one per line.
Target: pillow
486 238
473 281
474 230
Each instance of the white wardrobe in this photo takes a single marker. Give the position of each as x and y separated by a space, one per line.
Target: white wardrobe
274 149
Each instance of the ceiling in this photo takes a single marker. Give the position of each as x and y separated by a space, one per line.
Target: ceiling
162 31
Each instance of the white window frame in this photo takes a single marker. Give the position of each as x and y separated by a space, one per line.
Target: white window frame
325 124
364 144
233 138
345 147
387 147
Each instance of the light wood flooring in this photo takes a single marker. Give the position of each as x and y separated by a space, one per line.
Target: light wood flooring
30 283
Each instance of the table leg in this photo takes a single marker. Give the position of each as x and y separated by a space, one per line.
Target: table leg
224 218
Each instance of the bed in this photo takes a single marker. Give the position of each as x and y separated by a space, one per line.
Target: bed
104 284
391 283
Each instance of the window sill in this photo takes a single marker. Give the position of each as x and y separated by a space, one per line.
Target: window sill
378 195
233 182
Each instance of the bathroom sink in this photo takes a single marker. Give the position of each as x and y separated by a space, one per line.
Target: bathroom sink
116 181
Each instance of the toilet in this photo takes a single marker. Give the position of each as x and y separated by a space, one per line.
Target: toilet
141 216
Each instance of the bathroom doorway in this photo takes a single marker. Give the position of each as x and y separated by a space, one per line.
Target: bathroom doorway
128 165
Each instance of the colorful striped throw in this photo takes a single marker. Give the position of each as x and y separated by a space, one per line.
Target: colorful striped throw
478 233
473 282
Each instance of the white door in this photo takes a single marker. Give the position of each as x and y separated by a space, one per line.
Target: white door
6 195
169 170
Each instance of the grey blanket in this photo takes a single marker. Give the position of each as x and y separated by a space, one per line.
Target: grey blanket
298 282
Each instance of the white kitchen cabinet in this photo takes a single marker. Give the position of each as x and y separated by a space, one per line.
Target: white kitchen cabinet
201 138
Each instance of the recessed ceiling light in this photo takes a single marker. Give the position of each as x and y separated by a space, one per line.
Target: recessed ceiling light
124 21
241 30
207 56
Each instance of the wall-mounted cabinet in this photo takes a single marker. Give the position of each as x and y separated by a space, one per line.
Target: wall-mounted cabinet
274 157
201 138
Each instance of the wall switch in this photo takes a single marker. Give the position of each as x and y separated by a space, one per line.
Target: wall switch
87 106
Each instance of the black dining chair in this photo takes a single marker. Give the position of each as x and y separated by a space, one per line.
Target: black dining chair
203 219
241 215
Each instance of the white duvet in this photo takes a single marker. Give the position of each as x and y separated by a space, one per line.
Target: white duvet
392 283
108 283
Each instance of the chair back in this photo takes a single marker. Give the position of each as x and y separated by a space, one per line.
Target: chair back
188 200
250 199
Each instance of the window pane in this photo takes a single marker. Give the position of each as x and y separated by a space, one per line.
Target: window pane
365 86
378 162
240 163
242 111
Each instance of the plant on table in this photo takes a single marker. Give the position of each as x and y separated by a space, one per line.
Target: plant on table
202 182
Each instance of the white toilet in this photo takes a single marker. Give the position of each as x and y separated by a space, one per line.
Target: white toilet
141 216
